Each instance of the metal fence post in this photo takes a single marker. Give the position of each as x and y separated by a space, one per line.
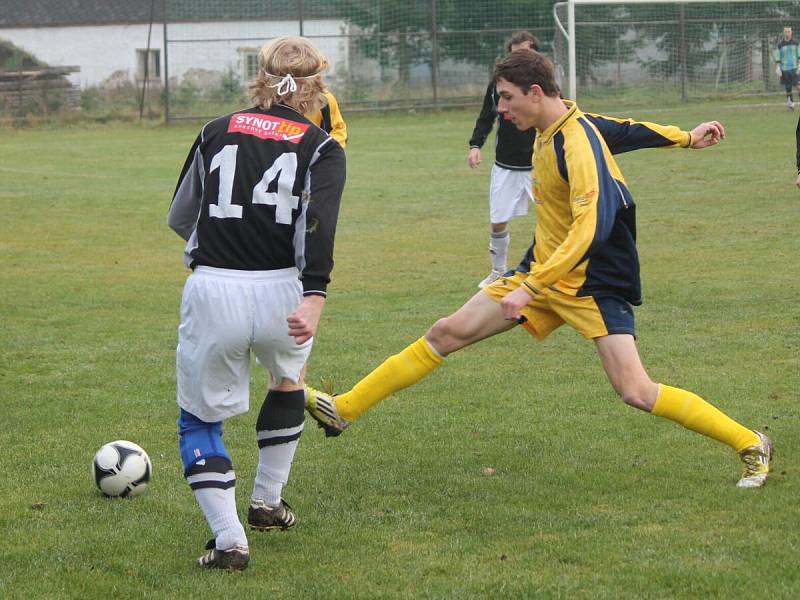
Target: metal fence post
20 105
683 50
300 15
434 55
166 68
147 60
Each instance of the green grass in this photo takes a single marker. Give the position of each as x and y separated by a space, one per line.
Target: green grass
590 499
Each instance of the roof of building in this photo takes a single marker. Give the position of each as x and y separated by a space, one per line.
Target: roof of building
56 13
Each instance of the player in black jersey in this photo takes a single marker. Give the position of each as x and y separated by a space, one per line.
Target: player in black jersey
257 203
510 184
797 141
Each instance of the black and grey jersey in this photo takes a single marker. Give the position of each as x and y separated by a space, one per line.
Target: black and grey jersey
513 149
797 136
260 190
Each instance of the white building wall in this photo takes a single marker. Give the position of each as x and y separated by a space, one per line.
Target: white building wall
102 50
98 51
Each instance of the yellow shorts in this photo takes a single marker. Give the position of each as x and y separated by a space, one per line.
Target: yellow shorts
590 316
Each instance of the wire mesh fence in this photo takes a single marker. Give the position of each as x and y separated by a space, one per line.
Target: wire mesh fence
387 54
383 53
673 50
436 53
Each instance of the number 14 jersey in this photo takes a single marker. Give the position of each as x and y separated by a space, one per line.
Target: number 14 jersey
260 190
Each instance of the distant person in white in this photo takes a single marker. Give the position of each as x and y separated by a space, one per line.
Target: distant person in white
510 184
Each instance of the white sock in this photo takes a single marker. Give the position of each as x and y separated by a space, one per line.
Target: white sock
219 508
274 463
498 250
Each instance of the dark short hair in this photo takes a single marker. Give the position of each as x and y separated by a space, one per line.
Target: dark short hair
521 37
525 68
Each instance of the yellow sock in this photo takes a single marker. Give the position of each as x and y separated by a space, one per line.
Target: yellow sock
694 413
396 372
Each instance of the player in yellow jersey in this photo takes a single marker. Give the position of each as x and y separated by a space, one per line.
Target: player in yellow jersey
582 269
330 119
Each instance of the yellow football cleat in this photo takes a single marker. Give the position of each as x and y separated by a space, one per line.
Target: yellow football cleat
756 463
322 407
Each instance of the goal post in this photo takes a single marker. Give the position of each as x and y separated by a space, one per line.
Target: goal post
668 49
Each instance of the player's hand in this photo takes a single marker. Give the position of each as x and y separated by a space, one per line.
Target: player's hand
797 181
474 157
778 70
707 134
303 322
511 305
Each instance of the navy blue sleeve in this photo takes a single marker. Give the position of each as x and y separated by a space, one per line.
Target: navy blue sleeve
624 135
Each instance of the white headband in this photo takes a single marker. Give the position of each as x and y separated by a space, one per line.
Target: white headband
287 84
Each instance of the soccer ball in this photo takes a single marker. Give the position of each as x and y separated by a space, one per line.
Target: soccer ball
121 468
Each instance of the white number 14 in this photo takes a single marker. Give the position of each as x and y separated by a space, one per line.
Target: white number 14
284 169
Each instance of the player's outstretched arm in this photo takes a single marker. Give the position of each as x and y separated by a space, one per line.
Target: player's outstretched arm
625 135
797 181
707 134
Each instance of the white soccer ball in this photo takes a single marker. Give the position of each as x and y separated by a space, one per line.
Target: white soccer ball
122 468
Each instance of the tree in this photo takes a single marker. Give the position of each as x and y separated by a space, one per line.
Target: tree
399 33
717 35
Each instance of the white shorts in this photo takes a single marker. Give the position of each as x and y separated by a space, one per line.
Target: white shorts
509 194
224 315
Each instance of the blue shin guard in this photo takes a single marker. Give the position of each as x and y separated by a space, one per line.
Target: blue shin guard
199 441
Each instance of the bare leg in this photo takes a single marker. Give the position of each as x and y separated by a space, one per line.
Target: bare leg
478 319
625 371
627 375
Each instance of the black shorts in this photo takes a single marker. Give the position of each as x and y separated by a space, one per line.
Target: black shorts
790 78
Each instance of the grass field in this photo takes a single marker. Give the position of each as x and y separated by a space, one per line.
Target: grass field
590 499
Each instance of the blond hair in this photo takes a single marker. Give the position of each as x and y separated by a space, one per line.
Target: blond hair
295 56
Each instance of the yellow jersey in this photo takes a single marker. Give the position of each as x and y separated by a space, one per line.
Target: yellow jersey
330 119
585 238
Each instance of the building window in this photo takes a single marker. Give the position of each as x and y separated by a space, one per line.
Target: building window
153 62
248 59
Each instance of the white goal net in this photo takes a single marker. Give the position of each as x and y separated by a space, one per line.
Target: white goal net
654 50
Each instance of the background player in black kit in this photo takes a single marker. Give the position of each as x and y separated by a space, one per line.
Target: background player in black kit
257 203
510 184
797 141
